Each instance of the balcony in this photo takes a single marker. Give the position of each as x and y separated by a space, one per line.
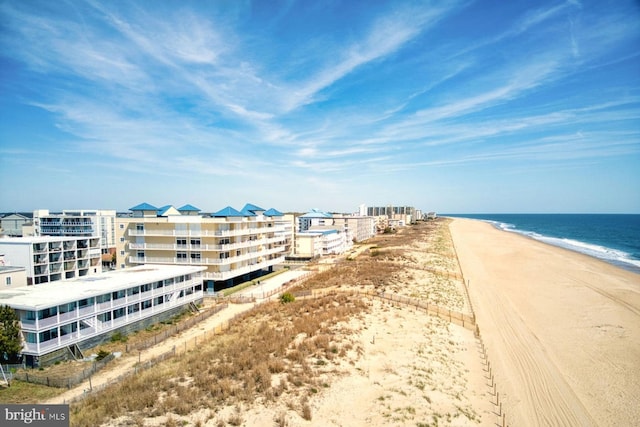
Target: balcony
40 270
40 259
38 248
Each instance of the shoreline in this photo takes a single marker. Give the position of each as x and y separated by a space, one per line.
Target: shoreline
629 264
562 328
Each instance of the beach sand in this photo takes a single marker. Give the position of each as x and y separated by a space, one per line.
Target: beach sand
562 330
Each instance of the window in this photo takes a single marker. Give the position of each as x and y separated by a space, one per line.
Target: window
121 226
8 281
139 227
195 256
122 265
122 240
182 256
195 242
181 243
65 308
140 254
103 298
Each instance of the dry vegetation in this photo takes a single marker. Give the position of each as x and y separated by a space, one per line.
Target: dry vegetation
421 255
276 352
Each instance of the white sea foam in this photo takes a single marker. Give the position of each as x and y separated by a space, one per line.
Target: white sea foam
613 256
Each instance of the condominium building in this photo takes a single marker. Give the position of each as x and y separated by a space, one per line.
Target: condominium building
360 228
396 214
50 259
59 320
233 245
82 222
320 241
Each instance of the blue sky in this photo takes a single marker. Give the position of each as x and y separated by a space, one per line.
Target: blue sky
457 107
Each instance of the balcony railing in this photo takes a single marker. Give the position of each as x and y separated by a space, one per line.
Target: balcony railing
206 233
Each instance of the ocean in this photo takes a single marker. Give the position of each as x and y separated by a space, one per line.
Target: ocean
614 238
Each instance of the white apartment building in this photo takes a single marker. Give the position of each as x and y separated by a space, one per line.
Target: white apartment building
360 228
58 320
81 222
50 259
321 242
233 245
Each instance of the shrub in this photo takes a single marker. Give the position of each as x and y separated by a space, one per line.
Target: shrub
118 336
287 297
101 355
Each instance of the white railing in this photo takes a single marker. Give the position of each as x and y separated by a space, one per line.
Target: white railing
206 233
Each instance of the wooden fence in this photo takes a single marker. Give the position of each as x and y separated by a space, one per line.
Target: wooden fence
67 381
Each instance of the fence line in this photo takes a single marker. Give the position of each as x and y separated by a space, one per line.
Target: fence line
175 351
485 357
72 380
455 317
186 324
68 381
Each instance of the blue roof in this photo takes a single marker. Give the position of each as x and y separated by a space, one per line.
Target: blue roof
273 212
189 208
144 207
228 211
250 210
317 213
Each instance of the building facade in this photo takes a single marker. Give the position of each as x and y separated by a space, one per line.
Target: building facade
11 224
50 259
360 228
58 320
12 277
82 223
233 245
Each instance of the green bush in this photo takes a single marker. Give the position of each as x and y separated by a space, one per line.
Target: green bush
287 297
101 355
118 336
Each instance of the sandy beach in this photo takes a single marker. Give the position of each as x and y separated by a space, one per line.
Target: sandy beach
562 330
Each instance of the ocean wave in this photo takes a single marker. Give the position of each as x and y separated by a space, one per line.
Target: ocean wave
613 256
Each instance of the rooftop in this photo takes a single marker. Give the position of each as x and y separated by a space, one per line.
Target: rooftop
45 295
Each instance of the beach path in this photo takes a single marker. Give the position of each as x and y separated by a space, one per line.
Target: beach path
562 329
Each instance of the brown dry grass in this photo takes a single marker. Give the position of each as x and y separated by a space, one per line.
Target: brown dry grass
419 254
272 352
